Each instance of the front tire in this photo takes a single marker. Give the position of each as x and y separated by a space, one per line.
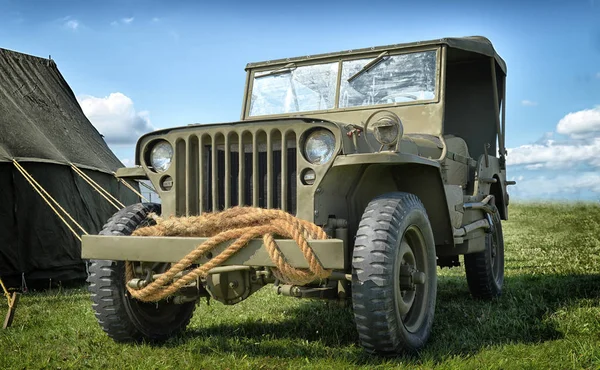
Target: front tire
485 270
394 275
122 317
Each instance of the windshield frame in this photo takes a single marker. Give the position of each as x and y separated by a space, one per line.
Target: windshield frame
250 76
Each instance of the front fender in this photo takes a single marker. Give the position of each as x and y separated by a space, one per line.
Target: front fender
355 179
383 157
132 173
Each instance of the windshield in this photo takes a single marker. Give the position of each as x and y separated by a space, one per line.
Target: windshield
403 78
301 89
396 79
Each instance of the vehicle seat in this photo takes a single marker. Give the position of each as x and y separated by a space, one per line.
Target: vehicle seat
457 158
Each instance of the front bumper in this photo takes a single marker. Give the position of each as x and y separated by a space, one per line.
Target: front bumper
172 249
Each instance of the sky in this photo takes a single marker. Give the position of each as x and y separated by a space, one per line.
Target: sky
136 66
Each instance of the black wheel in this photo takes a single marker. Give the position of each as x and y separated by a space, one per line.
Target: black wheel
394 281
122 317
485 270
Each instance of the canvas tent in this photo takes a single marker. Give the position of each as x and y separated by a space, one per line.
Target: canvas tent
43 128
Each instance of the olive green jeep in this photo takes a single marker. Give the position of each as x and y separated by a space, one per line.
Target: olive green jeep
397 152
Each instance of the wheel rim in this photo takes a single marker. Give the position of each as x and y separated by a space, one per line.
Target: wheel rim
494 256
412 280
151 312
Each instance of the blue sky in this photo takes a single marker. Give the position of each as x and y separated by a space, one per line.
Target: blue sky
141 65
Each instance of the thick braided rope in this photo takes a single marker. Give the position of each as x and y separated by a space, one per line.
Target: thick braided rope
240 224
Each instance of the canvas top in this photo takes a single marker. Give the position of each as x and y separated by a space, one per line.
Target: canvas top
474 44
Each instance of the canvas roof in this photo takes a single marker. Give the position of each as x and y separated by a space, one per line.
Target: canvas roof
474 44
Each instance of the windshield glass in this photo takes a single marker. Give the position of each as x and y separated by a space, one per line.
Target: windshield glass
396 79
301 89
393 79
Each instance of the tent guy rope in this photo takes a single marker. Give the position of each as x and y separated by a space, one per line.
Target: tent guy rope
128 185
12 300
55 206
147 186
103 192
50 201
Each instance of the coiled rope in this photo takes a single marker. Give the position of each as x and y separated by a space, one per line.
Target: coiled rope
240 224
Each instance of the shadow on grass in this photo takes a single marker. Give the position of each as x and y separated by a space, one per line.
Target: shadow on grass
462 325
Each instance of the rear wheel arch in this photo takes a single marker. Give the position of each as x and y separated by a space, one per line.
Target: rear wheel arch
496 191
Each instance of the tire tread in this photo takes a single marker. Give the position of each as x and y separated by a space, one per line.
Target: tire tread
373 262
106 284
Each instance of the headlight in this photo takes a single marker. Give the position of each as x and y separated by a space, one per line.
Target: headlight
387 128
161 156
319 146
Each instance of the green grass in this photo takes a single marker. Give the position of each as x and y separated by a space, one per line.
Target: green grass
548 317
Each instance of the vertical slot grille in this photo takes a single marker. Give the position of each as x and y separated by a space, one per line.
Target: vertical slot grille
219 171
181 173
193 184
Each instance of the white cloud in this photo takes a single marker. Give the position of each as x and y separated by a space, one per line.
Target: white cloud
555 167
564 186
582 148
536 166
71 24
555 155
126 20
598 75
546 138
115 117
528 103
580 125
156 19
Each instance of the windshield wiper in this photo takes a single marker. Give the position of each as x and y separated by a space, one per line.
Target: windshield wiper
381 57
288 68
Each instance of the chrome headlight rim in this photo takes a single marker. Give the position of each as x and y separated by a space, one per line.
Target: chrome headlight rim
319 146
160 155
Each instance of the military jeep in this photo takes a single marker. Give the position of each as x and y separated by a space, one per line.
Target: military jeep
397 152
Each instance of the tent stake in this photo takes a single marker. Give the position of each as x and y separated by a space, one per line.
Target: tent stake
12 306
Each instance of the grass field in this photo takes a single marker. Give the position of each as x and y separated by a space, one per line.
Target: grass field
547 318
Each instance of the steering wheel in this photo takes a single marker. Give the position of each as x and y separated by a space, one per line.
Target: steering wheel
393 96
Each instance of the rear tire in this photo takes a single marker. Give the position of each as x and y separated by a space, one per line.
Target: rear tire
394 281
485 270
122 317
